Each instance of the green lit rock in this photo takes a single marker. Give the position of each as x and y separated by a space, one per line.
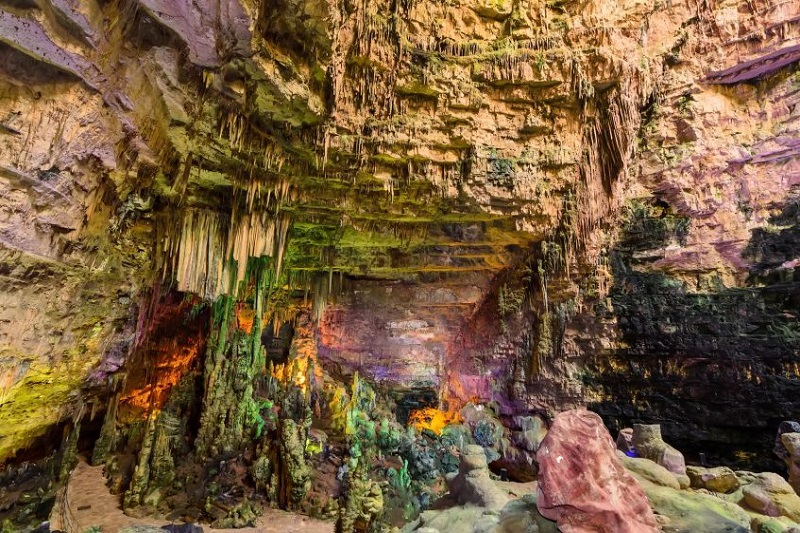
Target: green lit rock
691 512
297 474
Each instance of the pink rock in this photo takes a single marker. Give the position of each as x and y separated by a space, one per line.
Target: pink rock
582 483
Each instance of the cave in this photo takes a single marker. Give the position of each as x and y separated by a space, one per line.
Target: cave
508 266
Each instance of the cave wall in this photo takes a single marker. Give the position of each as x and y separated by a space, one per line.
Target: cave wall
473 170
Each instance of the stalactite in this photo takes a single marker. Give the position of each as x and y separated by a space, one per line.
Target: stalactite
233 361
212 251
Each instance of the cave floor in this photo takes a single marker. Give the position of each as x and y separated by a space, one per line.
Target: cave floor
90 503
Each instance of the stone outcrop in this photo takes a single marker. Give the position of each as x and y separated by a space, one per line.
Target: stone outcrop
791 442
648 443
694 511
583 485
518 515
472 484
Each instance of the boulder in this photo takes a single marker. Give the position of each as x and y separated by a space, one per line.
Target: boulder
649 444
694 512
684 481
768 524
458 519
787 426
718 479
649 470
770 495
791 443
582 483
519 515
523 515
472 485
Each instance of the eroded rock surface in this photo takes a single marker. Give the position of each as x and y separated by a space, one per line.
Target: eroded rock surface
538 205
583 485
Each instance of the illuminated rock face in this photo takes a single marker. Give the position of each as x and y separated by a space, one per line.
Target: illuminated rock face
536 204
582 483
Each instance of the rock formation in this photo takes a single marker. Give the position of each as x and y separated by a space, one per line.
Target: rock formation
647 443
225 224
582 483
472 484
787 447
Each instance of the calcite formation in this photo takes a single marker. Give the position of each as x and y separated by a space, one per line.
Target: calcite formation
222 221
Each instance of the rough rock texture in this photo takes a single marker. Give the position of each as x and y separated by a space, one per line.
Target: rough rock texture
472 484
771 495
651 471
616 181
518 515
719 479
583 485
648 443
685 511
791 443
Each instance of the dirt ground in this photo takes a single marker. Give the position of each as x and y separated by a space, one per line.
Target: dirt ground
90 503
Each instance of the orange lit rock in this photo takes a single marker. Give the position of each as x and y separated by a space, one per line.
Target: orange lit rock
171 366
169 351
433 419
245 316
